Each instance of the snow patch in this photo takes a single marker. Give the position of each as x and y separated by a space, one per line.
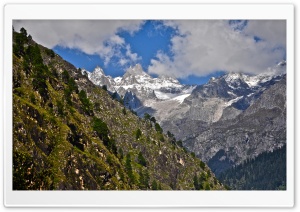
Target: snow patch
181 98
233 101
118 80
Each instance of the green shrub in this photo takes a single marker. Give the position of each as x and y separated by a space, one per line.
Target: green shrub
138 134
141 159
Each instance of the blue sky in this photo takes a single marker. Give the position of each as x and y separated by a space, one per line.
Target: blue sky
190 50
151 38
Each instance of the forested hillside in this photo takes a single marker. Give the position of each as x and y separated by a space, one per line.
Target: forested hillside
69 134
266 172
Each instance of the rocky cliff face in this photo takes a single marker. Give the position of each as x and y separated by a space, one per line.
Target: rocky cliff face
261 127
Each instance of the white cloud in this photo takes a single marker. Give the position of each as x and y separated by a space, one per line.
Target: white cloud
90 36
123 61
133 56
274 32
199 48
203 47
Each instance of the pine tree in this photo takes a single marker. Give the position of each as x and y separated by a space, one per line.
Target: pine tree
138 134
141 159
154 185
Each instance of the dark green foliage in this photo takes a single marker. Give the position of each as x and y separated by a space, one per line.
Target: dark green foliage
206 186
196 183
193 154
39 83
202 177
65 76
120 153
97 106
208 174
159 186
75 138
67 95
144 179
266 172
86 104
23 32
141 159
133 112
60 107
153 119
138 134
109 159
121 100
171 137
161 137
112 146
129 169
169 134
101 129
50 53
147 116
124 111
40 71
114 95
179 143
29 38
35 56
154 185
72 85
26 65
22 162
20 39
158 128
32 98
217 165
26 174
215 181
104 87
202 165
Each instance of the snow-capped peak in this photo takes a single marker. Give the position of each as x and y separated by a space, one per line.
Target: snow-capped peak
135 70
118 80
85 72
169 79
98 71
282 63
230 77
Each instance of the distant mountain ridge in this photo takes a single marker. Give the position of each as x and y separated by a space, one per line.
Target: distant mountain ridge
199 114
137 87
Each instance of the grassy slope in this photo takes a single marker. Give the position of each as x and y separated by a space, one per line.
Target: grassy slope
55 146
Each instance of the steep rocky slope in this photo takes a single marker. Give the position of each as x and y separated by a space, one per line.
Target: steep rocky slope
261 127
70 134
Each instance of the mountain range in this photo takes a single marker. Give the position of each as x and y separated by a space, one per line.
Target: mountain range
74 129
229 119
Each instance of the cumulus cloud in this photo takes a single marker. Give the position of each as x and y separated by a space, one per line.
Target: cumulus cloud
203 47
133 56
273 32
128 57
90 36
198 47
